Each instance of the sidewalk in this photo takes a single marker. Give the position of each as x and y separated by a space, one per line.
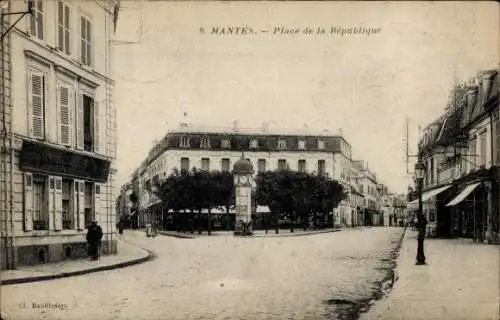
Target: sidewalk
461 281
257 233
128 254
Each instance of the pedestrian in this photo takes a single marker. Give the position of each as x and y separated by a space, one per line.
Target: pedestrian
94 236
120 226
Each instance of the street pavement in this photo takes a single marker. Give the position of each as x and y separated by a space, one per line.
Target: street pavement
460 282
322 276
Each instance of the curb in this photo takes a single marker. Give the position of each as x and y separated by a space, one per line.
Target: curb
162 233
298 234
151 255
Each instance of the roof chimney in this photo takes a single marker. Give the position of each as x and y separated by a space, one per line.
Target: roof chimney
235 125
265 127
341 133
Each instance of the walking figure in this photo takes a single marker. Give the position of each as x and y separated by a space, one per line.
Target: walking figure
94 236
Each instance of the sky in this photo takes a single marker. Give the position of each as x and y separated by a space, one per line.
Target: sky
367 85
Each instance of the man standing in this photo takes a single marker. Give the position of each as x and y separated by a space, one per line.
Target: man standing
94 236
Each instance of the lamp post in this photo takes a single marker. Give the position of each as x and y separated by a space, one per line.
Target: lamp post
421 220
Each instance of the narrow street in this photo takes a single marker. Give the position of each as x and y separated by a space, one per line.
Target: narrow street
222 277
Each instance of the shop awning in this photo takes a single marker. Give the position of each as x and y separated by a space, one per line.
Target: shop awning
426 196
462 195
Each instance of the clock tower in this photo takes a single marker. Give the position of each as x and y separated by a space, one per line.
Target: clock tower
244 185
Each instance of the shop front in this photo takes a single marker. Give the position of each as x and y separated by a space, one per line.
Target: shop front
63 191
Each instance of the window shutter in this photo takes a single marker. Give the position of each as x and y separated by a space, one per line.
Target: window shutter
65 114
28 201
58 204
79 204
96 126
37 102
52 203
79 123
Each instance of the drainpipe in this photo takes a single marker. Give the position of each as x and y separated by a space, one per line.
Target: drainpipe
489 230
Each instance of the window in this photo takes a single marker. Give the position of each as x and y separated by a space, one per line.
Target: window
225 164
67 204
282 164
432 215
281 144
36 20
254 144
40 203
302 144
482 149
321 144
86 41
261 164
88 203
205 164
184 164
302 166
321 167
225 143
63 28
88 124
36 101
65 107
184 143
205 142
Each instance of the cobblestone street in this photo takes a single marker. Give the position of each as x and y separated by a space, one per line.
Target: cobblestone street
308 277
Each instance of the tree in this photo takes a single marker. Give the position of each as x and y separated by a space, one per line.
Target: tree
298 194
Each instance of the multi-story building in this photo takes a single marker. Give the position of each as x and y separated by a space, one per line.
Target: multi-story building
59 144
369 187
218 148
460 194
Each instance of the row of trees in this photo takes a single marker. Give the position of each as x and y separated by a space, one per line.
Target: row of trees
287 194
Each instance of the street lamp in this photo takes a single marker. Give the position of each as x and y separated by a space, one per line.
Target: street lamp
421 220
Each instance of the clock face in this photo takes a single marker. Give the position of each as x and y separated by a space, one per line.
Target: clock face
243 179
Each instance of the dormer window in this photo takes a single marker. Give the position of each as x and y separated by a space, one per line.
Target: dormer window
281 144
184 142
302 144
321 144
205 142
225 143
253 144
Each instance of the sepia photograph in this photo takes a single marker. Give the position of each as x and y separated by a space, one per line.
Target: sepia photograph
249 160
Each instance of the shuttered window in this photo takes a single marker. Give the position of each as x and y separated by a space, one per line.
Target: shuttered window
63 28
65 116
86 41
37 20
225 164
39 202
36 108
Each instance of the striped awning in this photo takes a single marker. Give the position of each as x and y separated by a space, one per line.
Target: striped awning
462 195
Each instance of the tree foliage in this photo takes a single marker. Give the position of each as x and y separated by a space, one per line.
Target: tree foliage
285 192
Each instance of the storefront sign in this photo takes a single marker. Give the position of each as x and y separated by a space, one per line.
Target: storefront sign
38 157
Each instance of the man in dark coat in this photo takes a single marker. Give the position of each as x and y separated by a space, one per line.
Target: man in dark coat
94 236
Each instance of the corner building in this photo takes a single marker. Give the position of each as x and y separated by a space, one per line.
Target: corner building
207 148
57 168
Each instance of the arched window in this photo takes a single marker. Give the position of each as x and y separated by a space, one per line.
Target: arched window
205 142
184 142
281 144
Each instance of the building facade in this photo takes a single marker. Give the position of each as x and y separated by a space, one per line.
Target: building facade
460 153
219 148
60 143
